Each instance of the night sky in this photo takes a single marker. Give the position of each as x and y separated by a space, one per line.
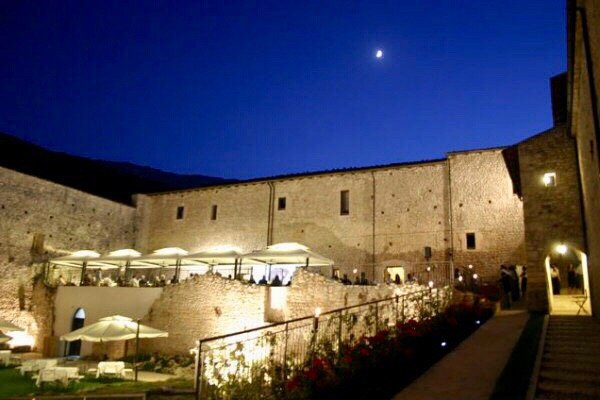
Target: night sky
248 89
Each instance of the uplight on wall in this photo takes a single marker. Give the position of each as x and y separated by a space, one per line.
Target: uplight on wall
549 179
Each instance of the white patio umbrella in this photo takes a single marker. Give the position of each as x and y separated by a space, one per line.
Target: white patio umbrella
287 254
4 338
114 328
220 255
6 326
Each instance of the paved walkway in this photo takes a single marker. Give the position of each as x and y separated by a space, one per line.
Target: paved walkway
471 370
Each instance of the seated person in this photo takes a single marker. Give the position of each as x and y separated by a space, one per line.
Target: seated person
251 280
276 281
263 280
61 280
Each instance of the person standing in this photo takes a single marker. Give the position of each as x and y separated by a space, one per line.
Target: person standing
555 277
506 283
571 279
524 281
579 277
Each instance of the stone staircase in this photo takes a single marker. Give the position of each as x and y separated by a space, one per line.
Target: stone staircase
570 363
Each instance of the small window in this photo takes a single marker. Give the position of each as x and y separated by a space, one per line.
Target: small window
344 202
549 179
470 241
281 203
213 213
180 211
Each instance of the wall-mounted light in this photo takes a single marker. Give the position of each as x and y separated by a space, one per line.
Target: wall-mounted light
475 276
549 179
561 248
430 284
318 312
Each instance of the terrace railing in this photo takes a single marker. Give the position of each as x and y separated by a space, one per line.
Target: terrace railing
261 360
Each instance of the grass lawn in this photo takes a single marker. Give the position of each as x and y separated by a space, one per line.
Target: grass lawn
13 384
514 380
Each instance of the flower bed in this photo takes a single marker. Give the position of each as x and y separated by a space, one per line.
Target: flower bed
345 366
381 365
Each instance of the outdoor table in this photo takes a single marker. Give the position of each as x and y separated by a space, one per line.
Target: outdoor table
5 357
36 365
53 374
112 368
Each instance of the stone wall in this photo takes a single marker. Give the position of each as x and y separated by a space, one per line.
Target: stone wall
582 127
206 306
484 202
395 212
311 290
552 214
41 219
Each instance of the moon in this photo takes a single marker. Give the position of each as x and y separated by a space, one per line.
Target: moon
379 53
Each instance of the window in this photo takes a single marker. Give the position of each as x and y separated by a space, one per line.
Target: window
179 214
281 203
213 213
470 241
37 247
344 202
549 179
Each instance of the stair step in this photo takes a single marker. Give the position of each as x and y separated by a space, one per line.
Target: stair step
569 388
575 351
569 377
573 359
577 348
571 367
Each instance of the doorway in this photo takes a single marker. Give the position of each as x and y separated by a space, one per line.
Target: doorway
74 348
567 281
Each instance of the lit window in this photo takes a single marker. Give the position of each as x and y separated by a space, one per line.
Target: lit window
213 213
281 203
344 202
179 214
549 179
471 241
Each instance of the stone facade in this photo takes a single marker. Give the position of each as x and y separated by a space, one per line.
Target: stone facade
552 213
395 212
205 306
584 114
310 291
38 220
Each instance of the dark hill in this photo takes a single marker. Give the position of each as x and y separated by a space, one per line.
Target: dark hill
113 180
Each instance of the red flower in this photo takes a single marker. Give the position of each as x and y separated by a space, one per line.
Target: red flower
293 384
311 374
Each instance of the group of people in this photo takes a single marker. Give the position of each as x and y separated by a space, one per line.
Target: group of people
513 286
362 280
90 279
574 278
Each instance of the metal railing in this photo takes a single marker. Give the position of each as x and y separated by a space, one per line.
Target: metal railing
261 360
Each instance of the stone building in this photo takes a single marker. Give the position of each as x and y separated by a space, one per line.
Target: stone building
508 205
583 50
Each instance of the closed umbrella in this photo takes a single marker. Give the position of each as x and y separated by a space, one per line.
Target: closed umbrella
114 328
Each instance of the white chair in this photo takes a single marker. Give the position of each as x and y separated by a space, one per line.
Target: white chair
5 357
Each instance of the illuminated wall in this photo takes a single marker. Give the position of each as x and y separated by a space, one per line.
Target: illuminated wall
395 212
38 220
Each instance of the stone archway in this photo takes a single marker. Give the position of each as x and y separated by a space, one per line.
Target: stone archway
565 301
